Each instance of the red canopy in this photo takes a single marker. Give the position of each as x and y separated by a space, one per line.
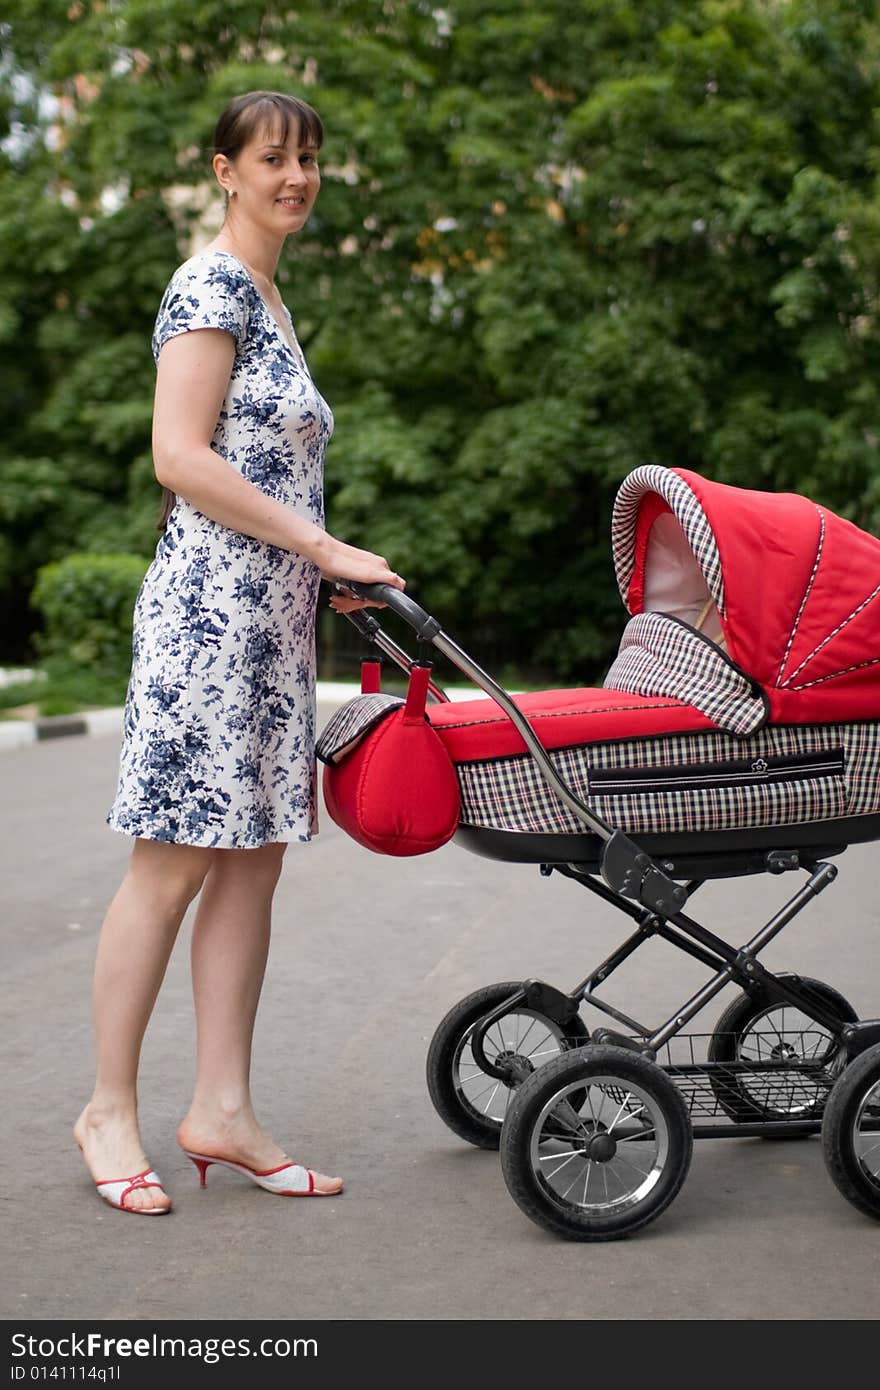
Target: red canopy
796 588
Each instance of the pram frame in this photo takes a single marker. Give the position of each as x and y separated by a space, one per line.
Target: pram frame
731 965
645 891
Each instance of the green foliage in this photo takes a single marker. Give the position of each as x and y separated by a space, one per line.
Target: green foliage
556 239
86 602
24 692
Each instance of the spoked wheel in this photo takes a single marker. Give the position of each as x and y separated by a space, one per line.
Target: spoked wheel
596 1144
758 1031
851 1132
469 1101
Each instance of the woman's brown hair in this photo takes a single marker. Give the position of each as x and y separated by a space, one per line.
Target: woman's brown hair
239 123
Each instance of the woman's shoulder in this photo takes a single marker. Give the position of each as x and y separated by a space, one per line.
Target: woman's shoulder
210 289
212 268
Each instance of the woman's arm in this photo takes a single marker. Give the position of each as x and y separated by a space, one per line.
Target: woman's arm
193 375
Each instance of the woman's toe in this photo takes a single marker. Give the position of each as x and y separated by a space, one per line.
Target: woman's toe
329 1186
146 1199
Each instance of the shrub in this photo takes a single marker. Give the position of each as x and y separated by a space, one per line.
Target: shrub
86 602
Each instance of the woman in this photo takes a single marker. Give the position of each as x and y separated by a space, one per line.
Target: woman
217 769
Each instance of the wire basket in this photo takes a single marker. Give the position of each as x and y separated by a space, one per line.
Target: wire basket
763 1083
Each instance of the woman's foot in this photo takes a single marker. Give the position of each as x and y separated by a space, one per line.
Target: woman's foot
112 1149
237 1137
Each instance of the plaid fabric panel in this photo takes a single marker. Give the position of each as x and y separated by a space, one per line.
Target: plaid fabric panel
691 517
861 744
661 656
729 808
511 794
351 722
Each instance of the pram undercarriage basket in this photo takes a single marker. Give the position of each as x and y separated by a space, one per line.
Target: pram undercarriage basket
733 735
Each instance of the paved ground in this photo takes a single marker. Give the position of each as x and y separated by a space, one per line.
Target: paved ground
368 955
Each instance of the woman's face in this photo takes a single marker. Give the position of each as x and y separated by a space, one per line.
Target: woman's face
275 183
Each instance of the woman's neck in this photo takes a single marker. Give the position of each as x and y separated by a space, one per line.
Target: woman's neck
259 257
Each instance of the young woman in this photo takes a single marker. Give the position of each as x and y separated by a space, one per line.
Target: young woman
217 769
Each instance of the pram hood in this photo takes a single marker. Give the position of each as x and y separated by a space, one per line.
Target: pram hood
793 589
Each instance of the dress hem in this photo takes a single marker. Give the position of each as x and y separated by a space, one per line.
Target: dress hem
222 843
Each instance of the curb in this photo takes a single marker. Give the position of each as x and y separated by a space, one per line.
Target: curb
15 733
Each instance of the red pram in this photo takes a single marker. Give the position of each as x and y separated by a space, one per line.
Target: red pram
738 731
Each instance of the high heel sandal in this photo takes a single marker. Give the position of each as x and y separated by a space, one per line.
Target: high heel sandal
287 1180
116 1190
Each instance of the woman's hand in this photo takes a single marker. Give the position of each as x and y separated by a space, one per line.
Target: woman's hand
345 603
348 562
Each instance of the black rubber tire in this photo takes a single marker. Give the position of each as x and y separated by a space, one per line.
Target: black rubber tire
858 1184
527 1184
446 1048
725 1043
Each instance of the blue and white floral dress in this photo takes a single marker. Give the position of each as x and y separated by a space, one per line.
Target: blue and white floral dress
218 745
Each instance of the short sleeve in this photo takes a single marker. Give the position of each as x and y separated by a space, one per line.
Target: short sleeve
203 293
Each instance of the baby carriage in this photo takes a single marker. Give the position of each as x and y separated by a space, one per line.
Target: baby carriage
737 732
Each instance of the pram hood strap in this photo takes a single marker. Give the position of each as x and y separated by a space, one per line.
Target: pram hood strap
797 588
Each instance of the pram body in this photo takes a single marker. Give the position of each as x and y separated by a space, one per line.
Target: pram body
738 731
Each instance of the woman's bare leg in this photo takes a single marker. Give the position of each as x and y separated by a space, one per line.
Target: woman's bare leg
136 939
230 945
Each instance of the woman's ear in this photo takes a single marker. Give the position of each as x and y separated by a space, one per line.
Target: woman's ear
223 172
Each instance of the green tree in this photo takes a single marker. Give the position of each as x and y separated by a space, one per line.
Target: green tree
556 240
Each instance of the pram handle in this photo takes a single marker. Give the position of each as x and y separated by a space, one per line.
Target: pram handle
424 626
372 632
428 630
625 867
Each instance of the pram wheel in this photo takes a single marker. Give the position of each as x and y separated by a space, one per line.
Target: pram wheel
471 1103
851 1132
756 1029
596 1144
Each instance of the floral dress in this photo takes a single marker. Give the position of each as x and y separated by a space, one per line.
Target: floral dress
218 742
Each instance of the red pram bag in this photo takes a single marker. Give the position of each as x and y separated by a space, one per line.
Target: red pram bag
388 779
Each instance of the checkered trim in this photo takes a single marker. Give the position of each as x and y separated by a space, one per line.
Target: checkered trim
661 655
691 517
352 722
510 793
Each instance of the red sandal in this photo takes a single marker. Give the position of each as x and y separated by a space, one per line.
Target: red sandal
115 1191
288 1180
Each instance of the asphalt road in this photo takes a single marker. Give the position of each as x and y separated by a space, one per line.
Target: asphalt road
368 954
